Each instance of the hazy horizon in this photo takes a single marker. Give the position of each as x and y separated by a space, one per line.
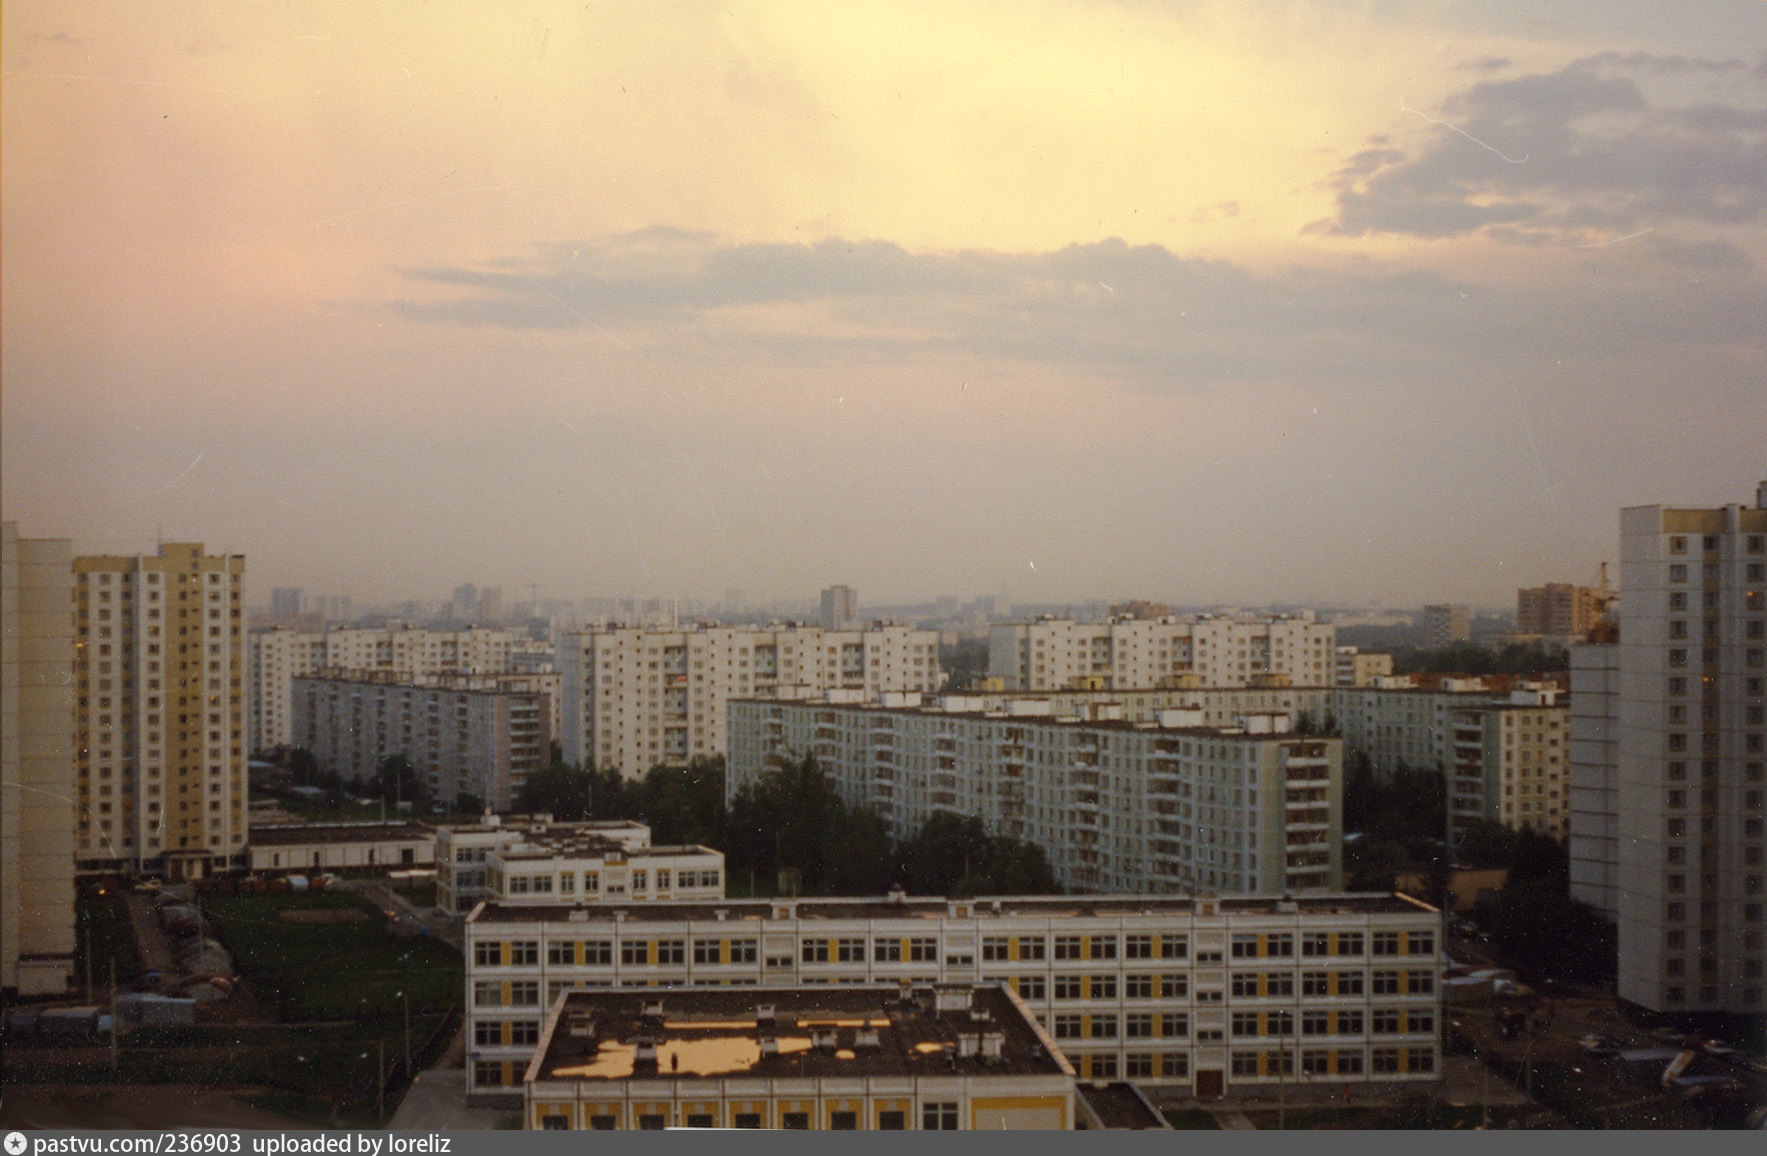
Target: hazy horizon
1256 303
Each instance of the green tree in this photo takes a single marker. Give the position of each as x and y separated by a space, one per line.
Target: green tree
395 780
303 768
560 790
681 804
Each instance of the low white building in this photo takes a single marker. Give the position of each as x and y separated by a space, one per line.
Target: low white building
947 1057
1211 994
302 847
462 849
586 868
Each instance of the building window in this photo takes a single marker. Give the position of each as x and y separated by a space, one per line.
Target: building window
837 1121
1138 947
1067 947
814 951
923 950
1350 943
524 953
887 950
889 1121
939 1116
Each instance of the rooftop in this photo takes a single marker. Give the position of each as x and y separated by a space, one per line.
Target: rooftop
281 835
793 1032
935 907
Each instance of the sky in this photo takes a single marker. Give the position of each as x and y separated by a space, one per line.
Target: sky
1250 302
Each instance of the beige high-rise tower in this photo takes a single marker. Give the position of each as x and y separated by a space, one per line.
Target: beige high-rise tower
36 764
160 714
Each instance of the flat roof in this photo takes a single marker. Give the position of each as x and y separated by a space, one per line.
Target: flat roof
934 907
282 834
592 847
791 1033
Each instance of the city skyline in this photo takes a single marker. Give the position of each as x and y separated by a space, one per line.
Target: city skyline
1074 301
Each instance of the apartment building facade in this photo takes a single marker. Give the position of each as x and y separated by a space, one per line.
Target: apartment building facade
1559 609
1214 994
634 698
1672 780
278 656
37 819
1511 764
474 734
1158 807
1052 654
159 723
1445 624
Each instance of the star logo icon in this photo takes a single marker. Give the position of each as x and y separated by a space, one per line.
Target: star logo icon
15 1143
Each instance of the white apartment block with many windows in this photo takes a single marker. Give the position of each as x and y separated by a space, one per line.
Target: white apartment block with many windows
1059 653
277 656
475 734
1667 833
1161 807
1211 994
159 722
635 698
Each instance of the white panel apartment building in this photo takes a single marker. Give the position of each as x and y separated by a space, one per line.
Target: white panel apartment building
1141 808
634 698
159 727
1667 835
1059 653
481 734
1216 995
277 656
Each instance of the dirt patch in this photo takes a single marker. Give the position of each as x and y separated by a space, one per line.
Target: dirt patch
322 915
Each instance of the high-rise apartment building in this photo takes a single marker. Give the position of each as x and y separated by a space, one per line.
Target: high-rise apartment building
1559 609
1511 764
1164 807
276 657
36 764
840 608
1444 625
635 698
159 722
1667 828
1060 654
473 734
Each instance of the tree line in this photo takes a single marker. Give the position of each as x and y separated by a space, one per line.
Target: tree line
791 831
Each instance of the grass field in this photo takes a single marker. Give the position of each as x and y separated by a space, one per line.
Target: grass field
335 971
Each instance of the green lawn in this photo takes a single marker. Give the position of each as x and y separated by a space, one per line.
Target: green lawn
335 971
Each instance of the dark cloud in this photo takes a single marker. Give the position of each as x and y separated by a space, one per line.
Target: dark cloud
1613 142
1484 64
1142 314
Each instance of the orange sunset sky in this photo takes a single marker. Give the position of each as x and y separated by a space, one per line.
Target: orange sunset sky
1202 302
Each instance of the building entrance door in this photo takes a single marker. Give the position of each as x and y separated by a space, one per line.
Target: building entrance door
1209 1084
